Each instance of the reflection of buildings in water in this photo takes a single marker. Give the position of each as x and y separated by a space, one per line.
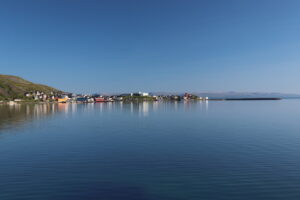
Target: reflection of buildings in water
14 116
15 106
121 105
144 109
186 105
109 106
53 108
134 108
63 107
101 106
200 105
39 110
89 107
114 106
175 105
27 110
73 108
190 105
203 105
104 106
138 108
155 106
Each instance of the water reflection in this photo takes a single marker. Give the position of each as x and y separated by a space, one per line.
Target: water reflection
18 114
15 115
191 105
152 150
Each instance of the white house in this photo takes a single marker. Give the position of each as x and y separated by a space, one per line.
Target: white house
144 94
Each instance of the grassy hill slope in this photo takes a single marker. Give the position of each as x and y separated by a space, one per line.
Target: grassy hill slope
15 87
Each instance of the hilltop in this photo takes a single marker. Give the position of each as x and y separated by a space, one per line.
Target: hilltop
15 87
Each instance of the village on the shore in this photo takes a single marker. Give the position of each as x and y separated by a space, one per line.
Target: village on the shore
38 96
60 97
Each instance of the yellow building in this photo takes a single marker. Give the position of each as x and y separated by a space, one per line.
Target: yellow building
63 100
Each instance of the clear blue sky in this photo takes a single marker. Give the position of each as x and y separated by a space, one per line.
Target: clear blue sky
153 45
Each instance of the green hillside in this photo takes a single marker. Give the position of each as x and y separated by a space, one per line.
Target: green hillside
15 87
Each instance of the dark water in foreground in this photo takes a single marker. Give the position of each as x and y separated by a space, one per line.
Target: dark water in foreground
151 151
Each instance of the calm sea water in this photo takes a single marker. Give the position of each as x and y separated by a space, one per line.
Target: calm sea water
151 151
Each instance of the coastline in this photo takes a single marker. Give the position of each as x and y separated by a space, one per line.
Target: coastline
140 100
